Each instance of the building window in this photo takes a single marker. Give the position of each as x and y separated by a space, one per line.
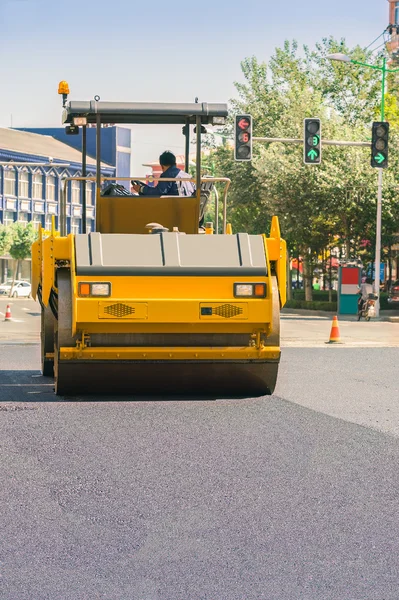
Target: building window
8 217
396 13
75 192
23 217
50 187
23 184
75 226
89 193
37 186
9 182
36 221
89 228
48 223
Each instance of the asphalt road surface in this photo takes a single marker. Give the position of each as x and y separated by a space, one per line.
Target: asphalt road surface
257 499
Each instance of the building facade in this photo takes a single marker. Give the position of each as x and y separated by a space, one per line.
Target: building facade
115 145
31 194
393 20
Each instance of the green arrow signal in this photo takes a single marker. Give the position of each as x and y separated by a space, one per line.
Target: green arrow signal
379 158
313 154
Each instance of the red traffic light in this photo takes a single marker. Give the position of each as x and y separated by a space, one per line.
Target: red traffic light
243 123
244 137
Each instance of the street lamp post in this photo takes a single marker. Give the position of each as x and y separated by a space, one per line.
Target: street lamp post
384 70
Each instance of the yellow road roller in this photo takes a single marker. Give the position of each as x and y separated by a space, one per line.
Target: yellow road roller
150 303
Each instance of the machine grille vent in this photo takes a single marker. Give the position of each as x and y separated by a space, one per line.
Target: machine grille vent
227 311
119 310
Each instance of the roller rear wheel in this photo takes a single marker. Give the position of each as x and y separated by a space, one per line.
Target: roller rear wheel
63 330
47 341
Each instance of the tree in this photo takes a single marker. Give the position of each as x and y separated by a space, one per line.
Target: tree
5 239
23 237
337 199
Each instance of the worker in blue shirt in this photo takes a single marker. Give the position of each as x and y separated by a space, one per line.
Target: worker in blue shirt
167 160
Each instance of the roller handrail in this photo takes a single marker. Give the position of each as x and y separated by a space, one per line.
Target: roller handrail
225 180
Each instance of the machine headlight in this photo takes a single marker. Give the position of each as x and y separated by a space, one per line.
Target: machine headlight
100 289
94 289
243 289
251 290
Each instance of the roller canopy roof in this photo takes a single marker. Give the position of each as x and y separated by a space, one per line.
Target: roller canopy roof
143 112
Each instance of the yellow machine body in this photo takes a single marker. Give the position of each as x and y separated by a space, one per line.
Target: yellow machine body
119 214
178 310
160 319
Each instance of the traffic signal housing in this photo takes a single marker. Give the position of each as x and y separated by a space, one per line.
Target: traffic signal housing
379 144
243 137
312 141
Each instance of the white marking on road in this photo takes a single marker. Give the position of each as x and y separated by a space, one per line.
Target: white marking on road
25 384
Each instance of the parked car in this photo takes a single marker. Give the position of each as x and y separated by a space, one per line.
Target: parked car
393 297
21 289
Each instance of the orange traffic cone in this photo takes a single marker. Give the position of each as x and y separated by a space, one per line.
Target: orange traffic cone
8 313
334 335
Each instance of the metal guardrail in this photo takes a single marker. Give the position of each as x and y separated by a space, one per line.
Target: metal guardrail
225 180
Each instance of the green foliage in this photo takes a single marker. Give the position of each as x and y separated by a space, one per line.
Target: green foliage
23 237
323 304
319 295
312 305
324 206
384 304
5 239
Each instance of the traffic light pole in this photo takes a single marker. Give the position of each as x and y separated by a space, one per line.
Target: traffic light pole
379 204
378 245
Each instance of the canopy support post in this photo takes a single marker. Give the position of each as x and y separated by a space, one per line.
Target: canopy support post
98 152
187 157
198 160
84 173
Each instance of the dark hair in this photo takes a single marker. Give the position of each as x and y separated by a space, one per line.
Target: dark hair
167 159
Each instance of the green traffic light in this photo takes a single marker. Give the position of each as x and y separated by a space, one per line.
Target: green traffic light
313 154
379 158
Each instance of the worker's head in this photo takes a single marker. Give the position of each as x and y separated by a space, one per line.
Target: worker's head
166 160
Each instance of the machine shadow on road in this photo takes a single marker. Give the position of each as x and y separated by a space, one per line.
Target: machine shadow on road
25 386
31 386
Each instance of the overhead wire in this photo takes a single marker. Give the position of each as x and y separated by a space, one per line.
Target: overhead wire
384 43
374 41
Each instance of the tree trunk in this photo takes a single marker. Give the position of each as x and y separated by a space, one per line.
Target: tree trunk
347 248
289 278
324 268
307 275
389 268
297 272
14 277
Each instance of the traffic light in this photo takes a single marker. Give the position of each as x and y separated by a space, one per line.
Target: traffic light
379 144
243 137
312 141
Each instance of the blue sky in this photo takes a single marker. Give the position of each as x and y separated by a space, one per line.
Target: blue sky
137 51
